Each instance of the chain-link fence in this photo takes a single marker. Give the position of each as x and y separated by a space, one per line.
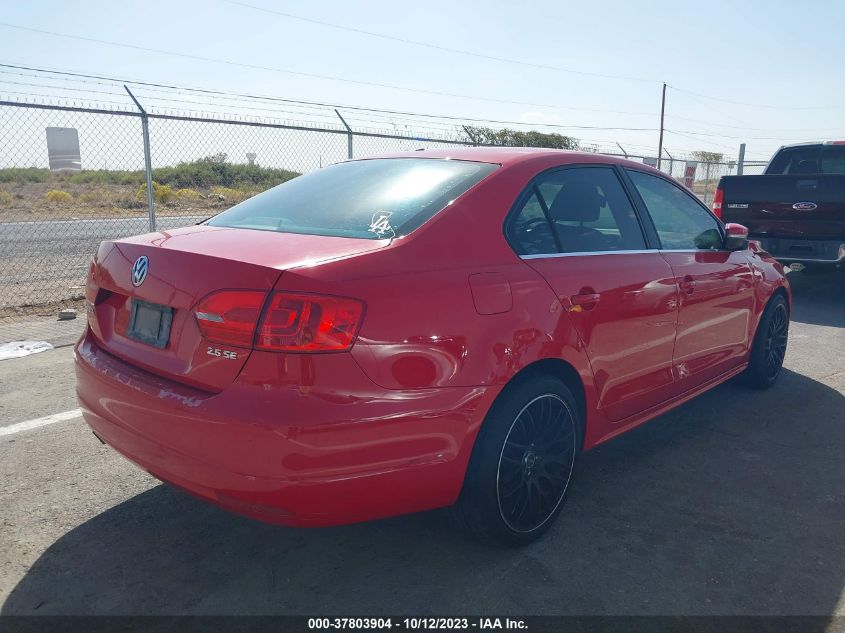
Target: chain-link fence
51 220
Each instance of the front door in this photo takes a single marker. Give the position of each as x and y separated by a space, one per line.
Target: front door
716 287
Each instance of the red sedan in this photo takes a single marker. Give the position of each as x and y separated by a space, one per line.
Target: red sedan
438 328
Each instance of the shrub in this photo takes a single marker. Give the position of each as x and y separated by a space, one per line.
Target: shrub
161 193
212 172
6 199
57 196
188 195
24 174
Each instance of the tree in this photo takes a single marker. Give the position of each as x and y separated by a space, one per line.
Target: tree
710 160
518 138
708 157
215 159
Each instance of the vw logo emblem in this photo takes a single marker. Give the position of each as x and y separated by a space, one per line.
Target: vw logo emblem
139 270
805 206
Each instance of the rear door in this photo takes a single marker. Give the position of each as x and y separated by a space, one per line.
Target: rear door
716 287
577 227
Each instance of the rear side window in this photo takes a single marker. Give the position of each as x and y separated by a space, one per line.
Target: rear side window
529 232
833 159
681 222
796 160
371 199
576 210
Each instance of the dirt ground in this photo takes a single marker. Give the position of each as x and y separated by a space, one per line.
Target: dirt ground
26 202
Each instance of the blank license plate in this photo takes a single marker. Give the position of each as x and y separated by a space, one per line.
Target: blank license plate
150 323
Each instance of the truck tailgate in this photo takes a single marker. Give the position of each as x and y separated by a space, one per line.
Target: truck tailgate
789 206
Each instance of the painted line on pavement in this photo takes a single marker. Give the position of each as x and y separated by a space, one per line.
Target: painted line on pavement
28 425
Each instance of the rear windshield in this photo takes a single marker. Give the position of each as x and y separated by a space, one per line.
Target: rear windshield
372 199
809 159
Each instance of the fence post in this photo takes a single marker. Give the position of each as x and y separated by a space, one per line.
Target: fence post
740 163
148 162
348 134
671 161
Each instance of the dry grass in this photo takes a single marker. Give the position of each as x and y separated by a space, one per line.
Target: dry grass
30 202
228 194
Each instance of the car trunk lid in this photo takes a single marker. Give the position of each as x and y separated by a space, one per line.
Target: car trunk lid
182 267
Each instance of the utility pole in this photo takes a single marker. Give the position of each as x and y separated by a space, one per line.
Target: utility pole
662 113
740 163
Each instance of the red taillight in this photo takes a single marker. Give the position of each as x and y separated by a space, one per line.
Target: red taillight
717 202
309 323
291 322
230 316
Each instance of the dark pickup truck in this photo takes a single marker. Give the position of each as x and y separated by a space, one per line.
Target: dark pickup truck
796 209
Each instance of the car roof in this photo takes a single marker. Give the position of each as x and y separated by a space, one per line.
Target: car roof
507 156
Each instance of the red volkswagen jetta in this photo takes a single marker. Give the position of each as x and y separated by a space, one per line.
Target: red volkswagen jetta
438 328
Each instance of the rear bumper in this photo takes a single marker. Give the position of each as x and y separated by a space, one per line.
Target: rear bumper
288 453
804 251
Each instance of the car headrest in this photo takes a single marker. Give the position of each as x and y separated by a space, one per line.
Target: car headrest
577 202
807 167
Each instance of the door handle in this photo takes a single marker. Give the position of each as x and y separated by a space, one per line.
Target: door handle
687 285
586 301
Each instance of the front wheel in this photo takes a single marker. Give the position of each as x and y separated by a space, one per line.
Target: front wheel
522 463
769 347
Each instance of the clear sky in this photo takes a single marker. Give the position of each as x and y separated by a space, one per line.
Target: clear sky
764 72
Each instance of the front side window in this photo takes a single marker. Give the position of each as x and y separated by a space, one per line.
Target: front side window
680 221
373 199
588 211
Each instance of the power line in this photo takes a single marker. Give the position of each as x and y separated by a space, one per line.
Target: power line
460 119
697 140
755 105
740 138
429 45
496 58
294 72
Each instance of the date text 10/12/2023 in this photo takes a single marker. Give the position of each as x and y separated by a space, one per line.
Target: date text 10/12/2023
420 623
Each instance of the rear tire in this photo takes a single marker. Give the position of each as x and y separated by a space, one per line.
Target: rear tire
522 463
769 347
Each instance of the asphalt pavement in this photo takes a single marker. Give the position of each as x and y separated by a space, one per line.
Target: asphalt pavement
46 261
733 503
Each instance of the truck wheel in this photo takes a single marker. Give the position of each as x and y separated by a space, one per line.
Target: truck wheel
522 463
769 347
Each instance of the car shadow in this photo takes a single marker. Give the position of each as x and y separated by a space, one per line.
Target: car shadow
731 504
818 297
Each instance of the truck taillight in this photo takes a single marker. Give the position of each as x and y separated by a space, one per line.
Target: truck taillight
717 202
286 322
309 323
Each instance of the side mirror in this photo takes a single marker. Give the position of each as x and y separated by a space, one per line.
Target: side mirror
736 237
